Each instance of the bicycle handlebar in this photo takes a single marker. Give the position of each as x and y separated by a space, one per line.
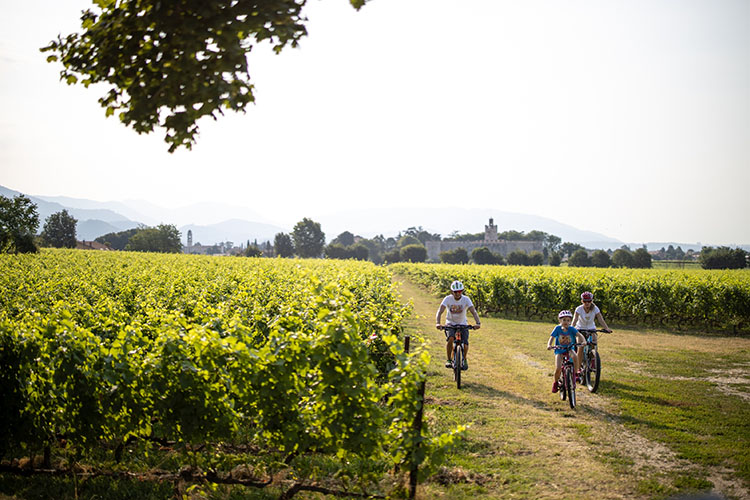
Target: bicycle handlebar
468 327
586 330
566 346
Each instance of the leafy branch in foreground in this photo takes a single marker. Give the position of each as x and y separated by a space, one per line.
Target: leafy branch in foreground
168 64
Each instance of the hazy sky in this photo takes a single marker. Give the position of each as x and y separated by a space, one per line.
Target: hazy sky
629 117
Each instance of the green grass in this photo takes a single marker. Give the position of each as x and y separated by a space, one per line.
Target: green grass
655 392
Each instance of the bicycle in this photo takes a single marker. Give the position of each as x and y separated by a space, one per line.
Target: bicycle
591 365
567 383
458 350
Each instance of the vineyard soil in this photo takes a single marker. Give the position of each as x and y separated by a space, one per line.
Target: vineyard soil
671 417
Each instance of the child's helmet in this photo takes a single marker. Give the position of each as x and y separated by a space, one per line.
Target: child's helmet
565 313
587 296
457 286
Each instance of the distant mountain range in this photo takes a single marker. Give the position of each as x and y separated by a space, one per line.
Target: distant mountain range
212 223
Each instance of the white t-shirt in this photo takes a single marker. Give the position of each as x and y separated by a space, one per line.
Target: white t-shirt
586 319
456 309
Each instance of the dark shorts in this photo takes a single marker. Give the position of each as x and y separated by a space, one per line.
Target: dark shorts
450 333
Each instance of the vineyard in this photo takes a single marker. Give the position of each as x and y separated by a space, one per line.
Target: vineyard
278 375
712 300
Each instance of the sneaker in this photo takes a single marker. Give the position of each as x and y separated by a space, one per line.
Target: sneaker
465 366
449 364
554 386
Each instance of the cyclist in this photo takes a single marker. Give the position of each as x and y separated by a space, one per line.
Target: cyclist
456 304
585 318
561 340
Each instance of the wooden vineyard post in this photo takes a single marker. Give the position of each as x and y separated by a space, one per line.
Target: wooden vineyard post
414 472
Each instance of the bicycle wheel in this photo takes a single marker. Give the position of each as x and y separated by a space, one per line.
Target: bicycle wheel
561 386
458 361
593 372
570 388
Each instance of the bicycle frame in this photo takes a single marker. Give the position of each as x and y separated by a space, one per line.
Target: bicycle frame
458 357
590 361
567 383
458 350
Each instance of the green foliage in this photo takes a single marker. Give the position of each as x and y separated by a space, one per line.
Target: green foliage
641 259
291 358
622 258
60 230
163 238
570 248
393 256
484 256
283 245
360 251
339 251
536 258
253 251
580 258
18 223
555 259
119 240
345 239
600 258
408 239
422 235
309 239
413 253
455 256
465 237
168 65
715 300
518 258
723 258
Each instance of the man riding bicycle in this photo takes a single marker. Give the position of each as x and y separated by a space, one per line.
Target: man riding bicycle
456 304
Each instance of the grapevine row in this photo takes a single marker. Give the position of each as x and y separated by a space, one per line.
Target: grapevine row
292 357
714 300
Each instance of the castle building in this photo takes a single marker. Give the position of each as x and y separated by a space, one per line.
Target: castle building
491 241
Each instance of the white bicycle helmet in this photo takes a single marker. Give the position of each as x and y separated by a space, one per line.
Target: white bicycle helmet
457 286
564 314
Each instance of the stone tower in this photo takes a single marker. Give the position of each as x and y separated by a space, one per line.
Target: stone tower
190 238
490 232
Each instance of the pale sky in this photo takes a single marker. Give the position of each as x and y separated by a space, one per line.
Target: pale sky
630 117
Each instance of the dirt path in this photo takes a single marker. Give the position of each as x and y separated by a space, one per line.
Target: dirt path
522 437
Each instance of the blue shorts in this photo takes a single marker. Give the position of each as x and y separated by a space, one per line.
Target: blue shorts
450 333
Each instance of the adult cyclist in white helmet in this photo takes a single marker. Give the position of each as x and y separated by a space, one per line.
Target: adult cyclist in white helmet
456 304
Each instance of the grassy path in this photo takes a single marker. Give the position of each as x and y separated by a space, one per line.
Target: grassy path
665 421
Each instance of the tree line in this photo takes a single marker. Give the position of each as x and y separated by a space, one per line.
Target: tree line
19 221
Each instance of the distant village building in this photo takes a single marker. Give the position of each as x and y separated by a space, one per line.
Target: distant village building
91 245
221 248
491 241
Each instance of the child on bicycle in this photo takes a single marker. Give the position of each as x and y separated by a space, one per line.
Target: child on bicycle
456 304
585 318
562 339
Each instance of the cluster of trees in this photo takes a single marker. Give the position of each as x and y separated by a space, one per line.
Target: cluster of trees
308 240
163 238
672 253
622 257
723 258
19 221
484 256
